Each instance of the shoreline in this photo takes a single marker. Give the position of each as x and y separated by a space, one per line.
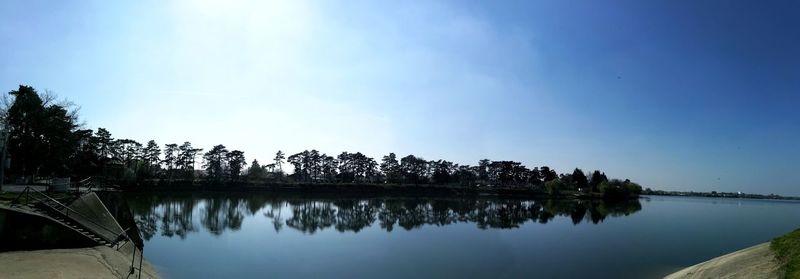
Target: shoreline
380 189
756 262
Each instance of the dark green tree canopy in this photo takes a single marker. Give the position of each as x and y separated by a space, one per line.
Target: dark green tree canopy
579 178
236 162
42 135
215 161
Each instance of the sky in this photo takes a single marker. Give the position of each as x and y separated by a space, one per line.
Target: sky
675 95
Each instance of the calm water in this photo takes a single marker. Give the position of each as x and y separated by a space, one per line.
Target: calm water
260 235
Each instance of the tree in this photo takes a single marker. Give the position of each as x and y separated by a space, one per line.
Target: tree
547 173
371 172
186 159
554 186
508 172
442 171
151 155
170 156
616 188
300 163
279 157
236 162
356 167
255 172
466 175
85 161
347 168
535 177
314 164
597 178
391 168
580 179
126 151
41 134
329 165
105 144
215 160
567 181
483 170
414 169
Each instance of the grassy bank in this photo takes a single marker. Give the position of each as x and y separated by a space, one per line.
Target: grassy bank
787 250
6 197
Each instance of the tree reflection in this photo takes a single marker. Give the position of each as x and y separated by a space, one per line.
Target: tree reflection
221 213
175 215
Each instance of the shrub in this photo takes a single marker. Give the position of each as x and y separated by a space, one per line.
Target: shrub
616 188
787 250
554 186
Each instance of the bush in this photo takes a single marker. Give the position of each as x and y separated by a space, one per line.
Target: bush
787 250
554 186
616 188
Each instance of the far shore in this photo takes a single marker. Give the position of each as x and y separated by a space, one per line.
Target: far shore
379 189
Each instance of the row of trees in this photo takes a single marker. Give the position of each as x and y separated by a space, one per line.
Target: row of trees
45 140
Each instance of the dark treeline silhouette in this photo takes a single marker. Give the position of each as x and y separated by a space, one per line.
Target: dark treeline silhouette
46 141
178 214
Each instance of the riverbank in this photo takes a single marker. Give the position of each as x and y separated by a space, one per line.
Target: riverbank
756 262
429 190
93 262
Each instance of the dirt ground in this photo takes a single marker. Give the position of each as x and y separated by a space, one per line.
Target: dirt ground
757 262
94 262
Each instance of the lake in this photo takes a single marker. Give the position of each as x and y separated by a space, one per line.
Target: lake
255 235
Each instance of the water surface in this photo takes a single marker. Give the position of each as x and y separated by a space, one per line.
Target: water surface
262 235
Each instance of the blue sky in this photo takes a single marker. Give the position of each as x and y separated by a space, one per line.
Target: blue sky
677 95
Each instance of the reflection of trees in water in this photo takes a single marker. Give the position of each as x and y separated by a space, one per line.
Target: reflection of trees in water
169 216
222 213
174 215
176 218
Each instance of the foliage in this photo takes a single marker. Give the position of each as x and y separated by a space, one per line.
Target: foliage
618 188
215 161
413 169
391 168
580 179
787 250
186 159
441 171
42 135
151 154
596 180
554 186
236 162
170 156
548 174
255 172
279 157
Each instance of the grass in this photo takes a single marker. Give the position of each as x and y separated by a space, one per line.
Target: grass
787 250
7 196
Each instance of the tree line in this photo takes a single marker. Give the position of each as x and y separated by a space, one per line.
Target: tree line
45 140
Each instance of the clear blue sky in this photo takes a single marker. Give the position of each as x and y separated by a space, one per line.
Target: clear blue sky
681 95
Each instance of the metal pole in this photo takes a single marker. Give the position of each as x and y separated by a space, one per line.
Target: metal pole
133 260
141 253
